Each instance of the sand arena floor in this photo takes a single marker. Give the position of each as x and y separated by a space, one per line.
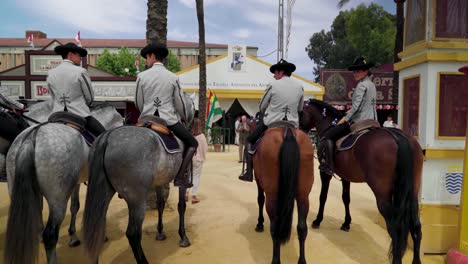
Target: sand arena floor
221 226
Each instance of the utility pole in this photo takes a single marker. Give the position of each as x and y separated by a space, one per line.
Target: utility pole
280 30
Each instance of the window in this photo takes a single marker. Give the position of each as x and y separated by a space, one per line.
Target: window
411 105
451 19
415 21
452 111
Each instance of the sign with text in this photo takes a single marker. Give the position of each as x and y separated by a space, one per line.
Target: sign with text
41 64
340 85
103 91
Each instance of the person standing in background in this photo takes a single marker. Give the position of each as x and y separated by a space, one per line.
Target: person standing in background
236 124
198 159
243 130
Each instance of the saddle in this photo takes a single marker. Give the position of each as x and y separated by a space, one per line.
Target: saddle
164 135
277 124
357 130
74 121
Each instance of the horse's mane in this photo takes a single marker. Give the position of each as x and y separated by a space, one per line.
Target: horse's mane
329 108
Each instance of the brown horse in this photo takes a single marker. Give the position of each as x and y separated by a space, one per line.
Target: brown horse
390 161
284 173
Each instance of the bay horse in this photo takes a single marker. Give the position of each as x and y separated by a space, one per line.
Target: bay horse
131 161
47 160
390 162
284 173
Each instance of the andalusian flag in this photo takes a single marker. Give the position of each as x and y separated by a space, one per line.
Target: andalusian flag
213 110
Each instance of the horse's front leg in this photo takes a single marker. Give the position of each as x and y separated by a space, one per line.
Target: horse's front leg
181 206
346 197
325 179
74 207
261 203
161 203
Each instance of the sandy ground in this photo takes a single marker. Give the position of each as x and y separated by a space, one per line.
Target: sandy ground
221 226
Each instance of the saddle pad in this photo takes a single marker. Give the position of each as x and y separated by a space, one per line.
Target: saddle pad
347 142
169 142
88 137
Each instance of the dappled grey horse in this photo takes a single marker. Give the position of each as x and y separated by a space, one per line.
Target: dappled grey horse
47 160
130 161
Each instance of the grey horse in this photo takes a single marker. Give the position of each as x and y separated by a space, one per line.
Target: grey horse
47 160
130 161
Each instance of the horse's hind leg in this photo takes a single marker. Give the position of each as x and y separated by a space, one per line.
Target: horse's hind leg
74 207
51 231
135 221
261 203
161 203
346 201
184 241
325 179
302 210
416 235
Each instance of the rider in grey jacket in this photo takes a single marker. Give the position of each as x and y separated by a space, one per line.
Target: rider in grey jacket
70 86
158 93
363 107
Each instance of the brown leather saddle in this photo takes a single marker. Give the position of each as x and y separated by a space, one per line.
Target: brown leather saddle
277 124
159 126
357 130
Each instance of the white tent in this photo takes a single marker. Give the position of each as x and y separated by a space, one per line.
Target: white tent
246 82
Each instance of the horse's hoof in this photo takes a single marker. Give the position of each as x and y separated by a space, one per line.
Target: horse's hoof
259 228
345 228
301 261
315 225
106 239
161 236
74 243
184 243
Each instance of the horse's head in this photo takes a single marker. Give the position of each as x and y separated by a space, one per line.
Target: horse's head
189 111
318 114
108 116
39 111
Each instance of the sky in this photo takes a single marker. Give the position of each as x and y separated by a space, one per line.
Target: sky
247 22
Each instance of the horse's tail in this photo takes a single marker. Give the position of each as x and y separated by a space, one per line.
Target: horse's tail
287 186
404 203
100 192
25 215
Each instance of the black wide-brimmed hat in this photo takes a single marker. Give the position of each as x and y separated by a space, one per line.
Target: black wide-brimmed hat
70 47
283 65
361 64
157 48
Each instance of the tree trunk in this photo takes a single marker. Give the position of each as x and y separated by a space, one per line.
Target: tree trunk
202 63
400 20
156 30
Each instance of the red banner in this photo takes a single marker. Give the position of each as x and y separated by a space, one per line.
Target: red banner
340 84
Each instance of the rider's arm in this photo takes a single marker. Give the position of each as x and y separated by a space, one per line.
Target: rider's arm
265 100
87 88
139 99
358 95
179 104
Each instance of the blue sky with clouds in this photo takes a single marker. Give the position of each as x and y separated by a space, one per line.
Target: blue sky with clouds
250 22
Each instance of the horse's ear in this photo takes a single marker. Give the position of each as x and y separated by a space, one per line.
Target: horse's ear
127 117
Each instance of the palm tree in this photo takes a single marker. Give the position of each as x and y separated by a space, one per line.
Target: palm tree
400 21
156 22
202 63
156 30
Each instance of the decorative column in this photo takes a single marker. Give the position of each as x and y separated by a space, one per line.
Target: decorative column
459 256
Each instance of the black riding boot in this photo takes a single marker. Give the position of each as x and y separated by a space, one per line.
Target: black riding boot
182 178
248 174
326 152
